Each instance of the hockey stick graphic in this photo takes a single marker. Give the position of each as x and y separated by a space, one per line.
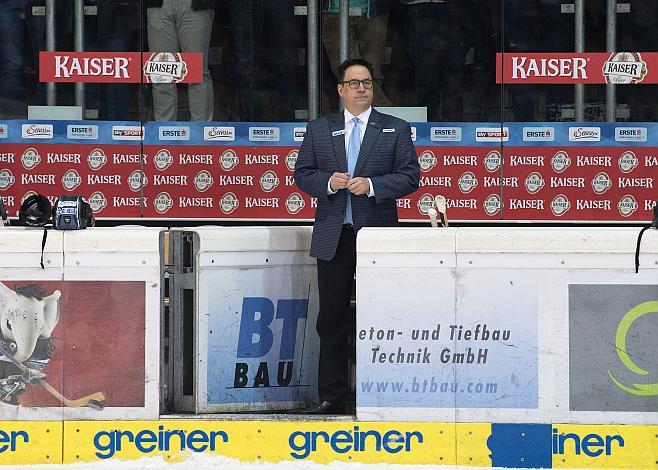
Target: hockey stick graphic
93 401
440 203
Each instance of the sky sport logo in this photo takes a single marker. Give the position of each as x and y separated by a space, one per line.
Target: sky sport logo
174 133
492 205
298 134
628 161
560 161
71 180
492 134
228 160
97 201
601 183
560 205
30 158
96 159
37 131
446 134
291 159
163 159
584 134
631 134
7 179
163 202
538 134
127 133
219 133
77 132
492 161
228 203
264 134
427 160
534 182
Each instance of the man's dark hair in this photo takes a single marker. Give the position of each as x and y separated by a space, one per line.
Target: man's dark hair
342 68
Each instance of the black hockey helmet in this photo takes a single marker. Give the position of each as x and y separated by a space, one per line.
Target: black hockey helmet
35 211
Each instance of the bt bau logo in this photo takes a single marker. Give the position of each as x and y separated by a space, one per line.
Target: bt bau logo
260 327
342 441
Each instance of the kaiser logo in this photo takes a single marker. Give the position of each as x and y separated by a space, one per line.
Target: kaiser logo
601 183
202 181
538 134
71 180
163 159
97 201
560 161
137 180
269 181
427 160
492 134
77 132
467 182
425 203
534 182
127 133
628 162
631 134
228 203
7 179
295 203
228 160
624 68
96 159
30 158
162 203
560 205
492 161
37 131
291 159
174 133
443 134
627 205
584 134
298 134
219 133
264 134
4 131
492 204
165 67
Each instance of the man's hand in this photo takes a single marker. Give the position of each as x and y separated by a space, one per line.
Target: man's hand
339 181
359 186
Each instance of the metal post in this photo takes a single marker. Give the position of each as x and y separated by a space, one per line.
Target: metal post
313 63
579 10
343 33
611 46
78 37
51 92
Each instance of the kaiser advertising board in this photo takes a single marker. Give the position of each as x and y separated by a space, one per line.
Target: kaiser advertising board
261 342
454 340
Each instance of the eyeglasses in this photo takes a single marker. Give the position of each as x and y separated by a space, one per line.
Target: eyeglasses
354 84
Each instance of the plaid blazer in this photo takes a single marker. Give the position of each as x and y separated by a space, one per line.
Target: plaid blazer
387 157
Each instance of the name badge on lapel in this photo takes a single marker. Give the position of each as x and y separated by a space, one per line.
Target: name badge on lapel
388 130
340 132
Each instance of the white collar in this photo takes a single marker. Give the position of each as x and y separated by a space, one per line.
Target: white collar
363 117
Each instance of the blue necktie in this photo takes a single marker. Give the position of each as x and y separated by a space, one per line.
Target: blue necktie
353 147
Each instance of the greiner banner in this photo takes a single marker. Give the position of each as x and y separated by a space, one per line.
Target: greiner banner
622 68
121 67
245 171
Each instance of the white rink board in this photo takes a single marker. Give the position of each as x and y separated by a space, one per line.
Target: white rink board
516 279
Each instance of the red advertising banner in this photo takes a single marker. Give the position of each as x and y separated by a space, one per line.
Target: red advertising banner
623 68
121 67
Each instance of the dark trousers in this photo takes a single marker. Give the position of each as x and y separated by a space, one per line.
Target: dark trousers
335 291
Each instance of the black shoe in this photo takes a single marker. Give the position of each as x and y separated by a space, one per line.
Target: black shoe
324 408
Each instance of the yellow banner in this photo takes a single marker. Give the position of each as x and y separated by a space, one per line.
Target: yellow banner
30 442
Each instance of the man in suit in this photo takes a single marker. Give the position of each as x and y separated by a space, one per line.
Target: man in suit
356 163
